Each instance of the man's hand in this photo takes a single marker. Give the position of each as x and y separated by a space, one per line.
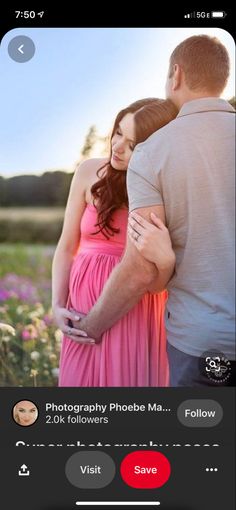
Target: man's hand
83 324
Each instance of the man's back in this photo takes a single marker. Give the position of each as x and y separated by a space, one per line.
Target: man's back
189 167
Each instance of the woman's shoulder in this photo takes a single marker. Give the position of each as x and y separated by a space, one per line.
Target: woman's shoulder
86 172
90 166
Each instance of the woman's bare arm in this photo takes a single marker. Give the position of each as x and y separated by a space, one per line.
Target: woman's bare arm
68 244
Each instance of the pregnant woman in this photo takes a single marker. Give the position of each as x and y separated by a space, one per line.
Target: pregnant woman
133 351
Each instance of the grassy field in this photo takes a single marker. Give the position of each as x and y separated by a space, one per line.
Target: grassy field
26 260
32 213
31 225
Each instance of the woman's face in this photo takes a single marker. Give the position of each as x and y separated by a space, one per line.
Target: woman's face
27 412
123 142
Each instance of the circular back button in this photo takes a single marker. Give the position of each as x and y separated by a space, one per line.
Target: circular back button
145 469
21 48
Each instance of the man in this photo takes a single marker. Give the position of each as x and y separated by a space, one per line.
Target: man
184 174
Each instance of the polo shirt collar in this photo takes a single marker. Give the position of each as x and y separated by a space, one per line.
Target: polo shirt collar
205 104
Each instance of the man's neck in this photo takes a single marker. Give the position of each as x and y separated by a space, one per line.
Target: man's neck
191 96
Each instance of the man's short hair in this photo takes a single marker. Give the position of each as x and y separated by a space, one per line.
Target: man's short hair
205 62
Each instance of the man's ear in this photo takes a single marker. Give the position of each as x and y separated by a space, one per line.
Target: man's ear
177 76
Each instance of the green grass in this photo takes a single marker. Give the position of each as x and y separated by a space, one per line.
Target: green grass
26 260
39 225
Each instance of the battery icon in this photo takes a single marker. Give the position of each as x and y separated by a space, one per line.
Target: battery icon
218 14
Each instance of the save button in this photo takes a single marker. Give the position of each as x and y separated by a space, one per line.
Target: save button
145 469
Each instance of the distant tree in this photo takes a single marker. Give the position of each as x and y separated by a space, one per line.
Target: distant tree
89 142
232 101
55 187
105 142
3 191
23 190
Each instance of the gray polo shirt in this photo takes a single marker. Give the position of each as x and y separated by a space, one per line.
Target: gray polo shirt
188 166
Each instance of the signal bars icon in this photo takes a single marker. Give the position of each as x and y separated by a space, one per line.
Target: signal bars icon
200 15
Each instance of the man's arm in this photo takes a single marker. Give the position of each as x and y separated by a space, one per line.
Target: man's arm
128 282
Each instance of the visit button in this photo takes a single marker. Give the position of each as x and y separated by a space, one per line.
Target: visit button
145 469
90 469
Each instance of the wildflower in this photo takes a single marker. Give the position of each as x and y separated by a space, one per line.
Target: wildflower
6 338
35 355
55 372
33 372
21 308
48 319
19 287
52 357
40 307
6 328
58 335
38 312
34 314
39 324
29 332
4 295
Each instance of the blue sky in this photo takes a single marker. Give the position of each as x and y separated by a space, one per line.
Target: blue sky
79 77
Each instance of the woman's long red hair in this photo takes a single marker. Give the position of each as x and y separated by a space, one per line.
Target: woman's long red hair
110 191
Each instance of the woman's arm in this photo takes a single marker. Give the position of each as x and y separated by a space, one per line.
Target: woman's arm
153 242
67 248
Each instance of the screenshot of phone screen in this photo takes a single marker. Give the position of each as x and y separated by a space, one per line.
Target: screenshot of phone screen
117 354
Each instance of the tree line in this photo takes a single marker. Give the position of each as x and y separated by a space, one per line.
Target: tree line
49 189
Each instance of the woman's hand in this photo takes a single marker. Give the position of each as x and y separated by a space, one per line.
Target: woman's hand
152 240
67 321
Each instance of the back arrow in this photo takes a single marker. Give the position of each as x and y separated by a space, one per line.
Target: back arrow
20 49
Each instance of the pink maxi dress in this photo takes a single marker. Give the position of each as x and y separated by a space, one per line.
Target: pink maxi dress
133 351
